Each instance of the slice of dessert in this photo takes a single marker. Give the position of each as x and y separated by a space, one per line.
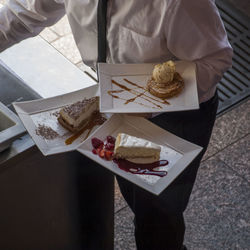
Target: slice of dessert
77 115
130 147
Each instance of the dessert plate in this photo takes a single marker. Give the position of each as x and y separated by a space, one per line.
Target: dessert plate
40 119
123 89
178 152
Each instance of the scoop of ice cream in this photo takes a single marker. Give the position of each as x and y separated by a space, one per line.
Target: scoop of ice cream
164 72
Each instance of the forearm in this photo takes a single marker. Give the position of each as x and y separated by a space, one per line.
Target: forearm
20 19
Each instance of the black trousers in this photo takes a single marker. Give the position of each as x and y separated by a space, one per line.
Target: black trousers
159 222
95 196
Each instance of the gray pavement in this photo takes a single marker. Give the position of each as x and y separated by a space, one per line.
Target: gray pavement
218 213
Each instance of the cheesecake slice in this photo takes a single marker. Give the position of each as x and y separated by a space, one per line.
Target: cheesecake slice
130 147
76 116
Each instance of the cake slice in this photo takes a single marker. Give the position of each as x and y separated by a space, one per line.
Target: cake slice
77 115
130 147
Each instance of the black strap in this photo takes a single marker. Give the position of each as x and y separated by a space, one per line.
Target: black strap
101 29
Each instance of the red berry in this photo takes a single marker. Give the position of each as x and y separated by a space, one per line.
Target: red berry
102 153
111 139
96 143
108 155
94 151
109 146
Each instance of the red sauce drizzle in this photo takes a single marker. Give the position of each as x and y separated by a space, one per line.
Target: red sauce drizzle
136 168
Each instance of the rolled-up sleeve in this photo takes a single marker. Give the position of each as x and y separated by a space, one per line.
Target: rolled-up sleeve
20 19
195 32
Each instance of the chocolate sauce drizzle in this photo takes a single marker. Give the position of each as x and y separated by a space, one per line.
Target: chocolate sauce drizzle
156 102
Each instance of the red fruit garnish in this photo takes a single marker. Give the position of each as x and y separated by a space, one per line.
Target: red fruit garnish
108 155
96 143
104 150
102 153
111 139
94 151
109 146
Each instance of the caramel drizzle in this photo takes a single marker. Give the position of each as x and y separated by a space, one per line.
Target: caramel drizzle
136 93
150 97
133 99
132 91
96 119
110 92
72 138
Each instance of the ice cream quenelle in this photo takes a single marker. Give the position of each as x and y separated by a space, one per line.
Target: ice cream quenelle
164 73
165 81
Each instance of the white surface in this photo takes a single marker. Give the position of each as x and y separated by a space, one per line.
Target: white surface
177 151
44 69
140 74
33 113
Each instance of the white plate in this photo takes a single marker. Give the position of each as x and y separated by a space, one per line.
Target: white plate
139 74
177 151
45 112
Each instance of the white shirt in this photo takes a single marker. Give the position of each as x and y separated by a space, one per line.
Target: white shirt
138 31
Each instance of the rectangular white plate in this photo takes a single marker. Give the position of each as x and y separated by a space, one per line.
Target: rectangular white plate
177 151
45 112
140 74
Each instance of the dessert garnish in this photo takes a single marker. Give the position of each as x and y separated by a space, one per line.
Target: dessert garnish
139 93
145 169
104 149
46 132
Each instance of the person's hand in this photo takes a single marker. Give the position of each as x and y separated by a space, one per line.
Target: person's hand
144 115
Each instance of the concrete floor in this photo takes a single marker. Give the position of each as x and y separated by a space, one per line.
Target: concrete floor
218 213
